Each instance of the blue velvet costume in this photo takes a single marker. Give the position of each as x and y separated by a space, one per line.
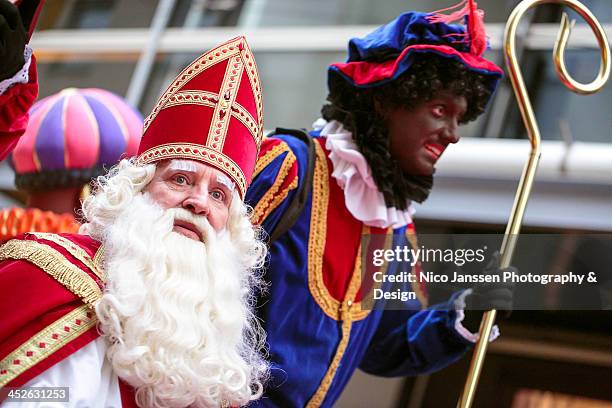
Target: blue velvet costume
317 330
305 324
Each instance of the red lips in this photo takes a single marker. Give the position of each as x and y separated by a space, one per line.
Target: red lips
435 149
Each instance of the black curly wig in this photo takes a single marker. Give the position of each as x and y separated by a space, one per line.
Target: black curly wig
354 108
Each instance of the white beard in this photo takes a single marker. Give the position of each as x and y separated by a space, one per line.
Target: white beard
175 312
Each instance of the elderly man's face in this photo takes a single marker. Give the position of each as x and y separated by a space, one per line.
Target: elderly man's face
418 137
194 186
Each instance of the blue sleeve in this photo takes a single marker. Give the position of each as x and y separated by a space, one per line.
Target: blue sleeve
413 343
275 180
416 340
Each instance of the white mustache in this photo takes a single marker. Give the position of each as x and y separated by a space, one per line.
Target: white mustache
200 222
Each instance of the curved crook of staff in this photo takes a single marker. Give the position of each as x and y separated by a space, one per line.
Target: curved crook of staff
524 189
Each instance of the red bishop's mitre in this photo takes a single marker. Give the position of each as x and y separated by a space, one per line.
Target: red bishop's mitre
212 112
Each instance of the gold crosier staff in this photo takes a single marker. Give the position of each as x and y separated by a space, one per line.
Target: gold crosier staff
522 193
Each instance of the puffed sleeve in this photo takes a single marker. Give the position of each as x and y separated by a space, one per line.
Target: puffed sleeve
413 343
275 180
421 338
17 95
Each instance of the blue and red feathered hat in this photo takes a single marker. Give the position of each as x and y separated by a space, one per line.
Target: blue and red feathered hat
389 51
73 136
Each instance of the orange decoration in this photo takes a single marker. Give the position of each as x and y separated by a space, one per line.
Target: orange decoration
16 221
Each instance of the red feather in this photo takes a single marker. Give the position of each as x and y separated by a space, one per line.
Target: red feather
476 28
477 36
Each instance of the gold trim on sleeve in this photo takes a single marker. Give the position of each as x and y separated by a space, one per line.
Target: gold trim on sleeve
46 342
74 250
98 259
55 265
274 196
269 156
279 199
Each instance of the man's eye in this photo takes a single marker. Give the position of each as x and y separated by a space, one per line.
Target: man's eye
217 195
439 110
181 180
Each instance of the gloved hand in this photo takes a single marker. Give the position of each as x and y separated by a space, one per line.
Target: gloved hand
494 295
13 39
488 296
16 25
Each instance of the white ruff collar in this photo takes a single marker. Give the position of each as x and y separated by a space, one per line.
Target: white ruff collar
353 174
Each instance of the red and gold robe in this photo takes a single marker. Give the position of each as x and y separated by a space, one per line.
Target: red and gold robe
49 284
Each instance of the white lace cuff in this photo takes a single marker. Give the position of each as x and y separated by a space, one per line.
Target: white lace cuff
465 333
20 77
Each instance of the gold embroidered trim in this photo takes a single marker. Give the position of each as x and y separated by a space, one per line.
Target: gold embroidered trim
266 159
74 250
271 199
319 396
316 244
46 342
195 152
237 48
207 60
279 198
211 100
192 98
243 115
368 298
318 233
98 259
356 312
56 265
227 95
269 156
416 287
346 315
251 70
